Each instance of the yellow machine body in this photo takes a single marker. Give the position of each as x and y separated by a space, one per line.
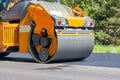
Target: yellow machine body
18 36
8 36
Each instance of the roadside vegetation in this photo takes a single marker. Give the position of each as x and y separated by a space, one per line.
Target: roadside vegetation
106 49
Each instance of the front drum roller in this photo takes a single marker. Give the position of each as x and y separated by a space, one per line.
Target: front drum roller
62 48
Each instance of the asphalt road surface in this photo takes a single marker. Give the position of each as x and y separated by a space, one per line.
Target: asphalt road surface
95 67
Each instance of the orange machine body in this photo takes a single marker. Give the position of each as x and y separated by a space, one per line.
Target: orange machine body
17 34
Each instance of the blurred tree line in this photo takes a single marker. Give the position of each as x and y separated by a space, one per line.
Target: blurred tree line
106 14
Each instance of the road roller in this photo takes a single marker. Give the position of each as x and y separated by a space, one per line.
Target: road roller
48 31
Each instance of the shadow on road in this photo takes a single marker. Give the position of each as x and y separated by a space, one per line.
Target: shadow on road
27 60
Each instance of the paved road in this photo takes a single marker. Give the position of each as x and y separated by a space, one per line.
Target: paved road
100 60
96 67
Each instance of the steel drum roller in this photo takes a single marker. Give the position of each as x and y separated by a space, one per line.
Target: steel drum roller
73 47
75 41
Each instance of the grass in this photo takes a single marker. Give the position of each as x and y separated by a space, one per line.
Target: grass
106 49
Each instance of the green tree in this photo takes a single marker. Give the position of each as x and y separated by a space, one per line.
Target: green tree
107 20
